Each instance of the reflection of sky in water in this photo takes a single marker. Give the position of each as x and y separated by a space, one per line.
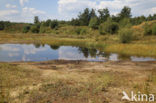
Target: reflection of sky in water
73 53
30 52
17 52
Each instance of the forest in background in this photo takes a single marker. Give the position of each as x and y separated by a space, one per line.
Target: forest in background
93 22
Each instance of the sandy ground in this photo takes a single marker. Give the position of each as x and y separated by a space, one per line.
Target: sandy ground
122 76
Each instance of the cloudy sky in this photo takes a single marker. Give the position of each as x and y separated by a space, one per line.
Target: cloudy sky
25 10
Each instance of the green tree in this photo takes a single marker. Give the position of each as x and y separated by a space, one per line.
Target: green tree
84 17
2 25
75 22
93 23
154 29
47 23
26 29
147 29
35 29
36 20
149 18
103 14
125 23
125 12
108 27
54 24
125 35
92 14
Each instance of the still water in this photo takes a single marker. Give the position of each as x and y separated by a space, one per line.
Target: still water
36 52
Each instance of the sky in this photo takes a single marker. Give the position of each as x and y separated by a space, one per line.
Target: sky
25 10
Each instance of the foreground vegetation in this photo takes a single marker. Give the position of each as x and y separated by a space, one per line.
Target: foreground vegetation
74 81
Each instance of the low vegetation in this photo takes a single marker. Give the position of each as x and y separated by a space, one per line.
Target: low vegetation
126 35
73 81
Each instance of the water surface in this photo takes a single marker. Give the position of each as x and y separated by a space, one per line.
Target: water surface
37 52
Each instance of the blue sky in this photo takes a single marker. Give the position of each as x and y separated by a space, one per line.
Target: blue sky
25 10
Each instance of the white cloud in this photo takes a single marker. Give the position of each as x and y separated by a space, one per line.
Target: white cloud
139 7
10 6
22 2
70 8
32 11
151 11
8 12
26 14
8 47
29 13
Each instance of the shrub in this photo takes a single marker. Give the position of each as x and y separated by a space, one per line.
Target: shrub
2 25
125 35
78 30
35 29
26 29
42 29
147 30
83 31
108 27
93 23
154 29
125 23
101 29
54 24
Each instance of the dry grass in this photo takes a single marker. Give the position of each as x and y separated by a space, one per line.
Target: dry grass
133 49
71 81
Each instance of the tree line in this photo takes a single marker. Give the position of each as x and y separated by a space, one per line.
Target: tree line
101 20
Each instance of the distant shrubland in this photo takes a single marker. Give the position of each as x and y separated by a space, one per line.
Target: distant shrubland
89 23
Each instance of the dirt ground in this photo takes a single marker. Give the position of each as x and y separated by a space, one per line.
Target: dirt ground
75 81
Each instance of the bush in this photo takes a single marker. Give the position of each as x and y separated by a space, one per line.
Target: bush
35 29
101 29
147 30
2 25
54 24
80 31
83 31
26 29
93 23
42 29
125 23
154 29
125 35
108 27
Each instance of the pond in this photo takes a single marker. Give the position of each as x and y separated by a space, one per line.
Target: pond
37 52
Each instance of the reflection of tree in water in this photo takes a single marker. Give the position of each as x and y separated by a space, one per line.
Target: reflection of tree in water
93 52
86 52
37 45
43 45
104 54
54 47
123 57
